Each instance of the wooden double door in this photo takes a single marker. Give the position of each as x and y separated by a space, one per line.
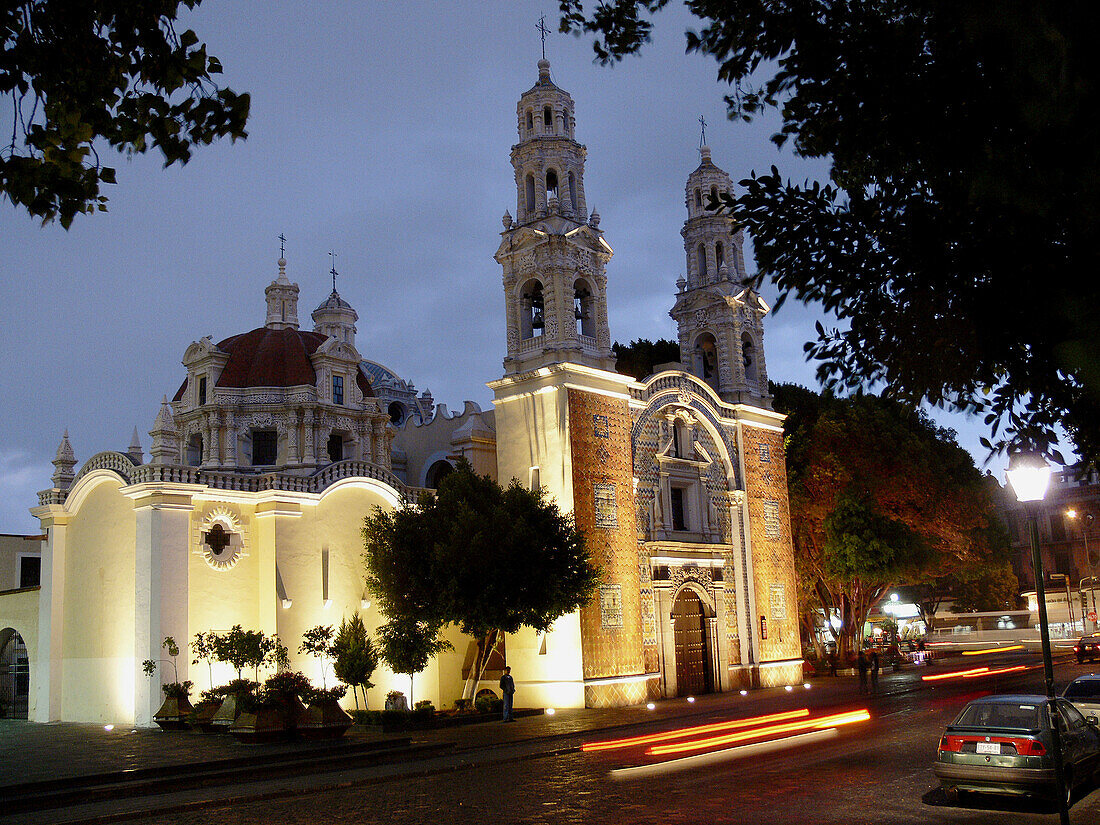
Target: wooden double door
689 626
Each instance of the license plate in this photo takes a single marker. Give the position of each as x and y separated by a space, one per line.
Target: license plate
989 747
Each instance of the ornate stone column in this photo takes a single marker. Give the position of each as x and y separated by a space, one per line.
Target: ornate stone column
230 439
309 456
293 456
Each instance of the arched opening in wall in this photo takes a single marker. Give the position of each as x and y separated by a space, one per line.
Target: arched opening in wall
548 118
748 357
714 193
701 263
436 473
584 308
532 320
15 676
689 628
551 184
193 456
530 122
698 199
530 194
338 447
572 192
397 413
719 255
706 359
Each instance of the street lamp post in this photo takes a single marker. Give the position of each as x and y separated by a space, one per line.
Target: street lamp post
1069 602
1029 476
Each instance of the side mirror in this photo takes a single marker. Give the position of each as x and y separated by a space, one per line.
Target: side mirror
1092 720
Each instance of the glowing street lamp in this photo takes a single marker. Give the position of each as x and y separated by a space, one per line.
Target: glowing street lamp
1029 476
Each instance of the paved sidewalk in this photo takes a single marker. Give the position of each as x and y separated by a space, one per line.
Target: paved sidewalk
32 752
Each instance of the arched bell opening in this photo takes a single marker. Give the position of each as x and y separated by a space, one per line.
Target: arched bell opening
584 308
706 359
532 310
748 357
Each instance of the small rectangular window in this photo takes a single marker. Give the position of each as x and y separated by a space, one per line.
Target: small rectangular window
202 390
30 571
265 446
535 484
1057 527
338 389
679 521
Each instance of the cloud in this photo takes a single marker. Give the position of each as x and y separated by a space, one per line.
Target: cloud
21 477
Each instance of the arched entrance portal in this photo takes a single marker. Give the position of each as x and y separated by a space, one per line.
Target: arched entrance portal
689 624
15 675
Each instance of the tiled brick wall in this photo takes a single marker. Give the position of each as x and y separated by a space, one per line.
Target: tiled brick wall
599 429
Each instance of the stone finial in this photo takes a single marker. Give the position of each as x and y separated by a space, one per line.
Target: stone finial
704 153
507 219
63 476
594 219
165 437
136 454
544 70
681 283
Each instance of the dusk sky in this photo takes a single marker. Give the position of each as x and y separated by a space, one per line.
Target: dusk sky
381 131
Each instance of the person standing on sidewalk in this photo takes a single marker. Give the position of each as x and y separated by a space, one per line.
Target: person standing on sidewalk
861 663
507 690
874 670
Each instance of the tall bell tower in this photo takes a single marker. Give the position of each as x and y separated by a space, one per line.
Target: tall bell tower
562 413
720 321
553 253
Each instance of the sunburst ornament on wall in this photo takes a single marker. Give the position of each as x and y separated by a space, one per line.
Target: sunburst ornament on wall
221 538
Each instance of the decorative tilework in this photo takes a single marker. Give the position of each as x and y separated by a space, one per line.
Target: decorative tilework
611 606
601 427
607 511
771 519
765 452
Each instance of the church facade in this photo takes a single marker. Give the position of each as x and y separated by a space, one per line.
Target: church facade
280 440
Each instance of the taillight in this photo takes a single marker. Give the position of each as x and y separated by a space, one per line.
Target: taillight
951 744
1076 649
1029 747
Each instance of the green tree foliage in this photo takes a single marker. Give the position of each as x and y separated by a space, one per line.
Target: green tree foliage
955 239
990 587
355 656
487 559
317 642
879 496
638 358
87 75
247 648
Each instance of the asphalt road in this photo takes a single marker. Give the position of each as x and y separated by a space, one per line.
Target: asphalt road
875 772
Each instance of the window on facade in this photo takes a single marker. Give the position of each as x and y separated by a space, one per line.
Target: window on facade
436 473
535 482
396 412
338 389
532 321
681 445
265 446
706 359
202 390
335 447
719 255
194 451
547 117
583 309
701 262
530 193
551 184
30 571
698 199
530 121
679 521
748 357
572 192
1057 527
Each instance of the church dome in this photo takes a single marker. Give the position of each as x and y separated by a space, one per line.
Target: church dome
334 301
267 357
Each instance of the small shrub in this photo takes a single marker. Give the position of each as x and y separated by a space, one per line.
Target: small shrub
425 704
317 696
367 717
177 690
287 684
463 705
394 718
240 686
483 705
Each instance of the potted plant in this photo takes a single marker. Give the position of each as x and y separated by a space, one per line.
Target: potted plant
233 696
241 648
202 716
272 713
176 707
324 718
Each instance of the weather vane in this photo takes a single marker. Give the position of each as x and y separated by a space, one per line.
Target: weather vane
333 270
282 245
543 31
702 131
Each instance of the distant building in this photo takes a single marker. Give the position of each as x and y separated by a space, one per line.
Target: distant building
279 441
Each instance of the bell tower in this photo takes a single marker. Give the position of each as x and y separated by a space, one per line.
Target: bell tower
553 253
563 414
720 321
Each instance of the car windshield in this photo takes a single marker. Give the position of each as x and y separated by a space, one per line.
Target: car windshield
1083 689
1013 715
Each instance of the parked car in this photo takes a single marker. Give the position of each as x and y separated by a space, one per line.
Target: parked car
1003 744
1087 647
1084 694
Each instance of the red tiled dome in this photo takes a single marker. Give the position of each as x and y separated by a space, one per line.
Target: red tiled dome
268 357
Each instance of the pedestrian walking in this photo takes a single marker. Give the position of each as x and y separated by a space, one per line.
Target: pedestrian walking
507 690
861 663
874 670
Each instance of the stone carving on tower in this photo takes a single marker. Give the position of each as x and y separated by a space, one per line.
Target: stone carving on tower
720 320
553 252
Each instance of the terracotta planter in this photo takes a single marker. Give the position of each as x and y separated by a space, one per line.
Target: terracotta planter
271 723
225 716
173 713
324 720
202 717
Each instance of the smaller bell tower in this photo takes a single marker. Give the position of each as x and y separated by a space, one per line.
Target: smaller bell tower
553 252
720 320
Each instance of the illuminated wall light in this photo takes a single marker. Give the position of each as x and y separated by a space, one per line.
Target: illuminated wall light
820 723
328 603
650 706
698 730
287 603
364 604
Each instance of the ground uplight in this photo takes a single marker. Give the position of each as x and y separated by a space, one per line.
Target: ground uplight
650 706
550 711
